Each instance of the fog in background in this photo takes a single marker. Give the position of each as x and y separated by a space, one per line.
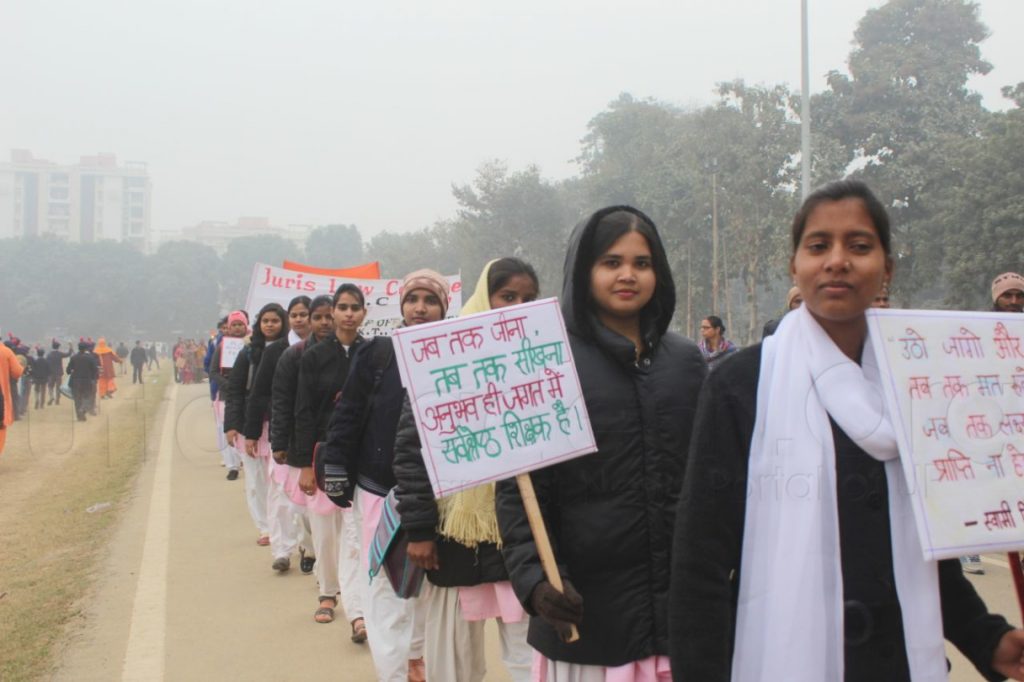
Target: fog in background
324 111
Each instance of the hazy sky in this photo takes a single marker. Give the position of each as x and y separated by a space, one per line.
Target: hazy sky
319 111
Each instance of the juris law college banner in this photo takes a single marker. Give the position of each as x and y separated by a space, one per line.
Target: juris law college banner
494 394
271 284
954 383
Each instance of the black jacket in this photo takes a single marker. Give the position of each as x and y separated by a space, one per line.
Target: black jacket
709 538
39 370
361 435
610 514
56 359
322 373
461 566
282 411
83 369
138 356
258 402
234 390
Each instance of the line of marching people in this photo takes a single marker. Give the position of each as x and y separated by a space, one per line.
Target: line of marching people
674 565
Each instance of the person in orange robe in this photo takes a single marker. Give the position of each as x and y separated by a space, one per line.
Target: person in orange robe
10 369
105 387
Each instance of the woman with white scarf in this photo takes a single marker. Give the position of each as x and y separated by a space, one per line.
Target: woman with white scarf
796 556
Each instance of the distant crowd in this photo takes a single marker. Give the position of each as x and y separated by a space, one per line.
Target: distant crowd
32 377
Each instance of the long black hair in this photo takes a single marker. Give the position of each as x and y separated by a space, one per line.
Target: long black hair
304 300
837 191
352 290
258 340
591 238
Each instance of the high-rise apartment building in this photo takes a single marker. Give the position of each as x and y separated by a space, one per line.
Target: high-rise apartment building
86 202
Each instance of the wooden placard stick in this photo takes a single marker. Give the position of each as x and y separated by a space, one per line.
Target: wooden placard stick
540 537
1018 578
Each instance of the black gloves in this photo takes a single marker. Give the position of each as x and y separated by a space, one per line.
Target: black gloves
558 609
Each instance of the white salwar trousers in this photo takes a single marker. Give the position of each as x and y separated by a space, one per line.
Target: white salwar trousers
454 646
394 625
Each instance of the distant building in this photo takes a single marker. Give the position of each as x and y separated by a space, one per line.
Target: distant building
218 234
92 200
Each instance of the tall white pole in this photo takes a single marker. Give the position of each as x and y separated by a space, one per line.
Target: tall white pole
805 108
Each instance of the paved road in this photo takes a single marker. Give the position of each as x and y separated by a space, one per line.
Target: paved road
186 594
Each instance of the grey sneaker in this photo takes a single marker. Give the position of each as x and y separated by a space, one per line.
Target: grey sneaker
281 563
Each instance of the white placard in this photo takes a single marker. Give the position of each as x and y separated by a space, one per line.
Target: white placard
230 347
270 284
495 394
954 382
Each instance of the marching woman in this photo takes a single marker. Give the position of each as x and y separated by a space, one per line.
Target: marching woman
237 328
610 514
269 326
358 457
322 373
796 553
289 528
263 355
456 538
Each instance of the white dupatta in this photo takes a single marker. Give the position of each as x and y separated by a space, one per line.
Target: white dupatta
789 623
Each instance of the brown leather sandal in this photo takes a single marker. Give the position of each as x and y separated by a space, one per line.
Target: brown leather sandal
325 614
359 631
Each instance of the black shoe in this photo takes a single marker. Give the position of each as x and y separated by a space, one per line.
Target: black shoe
306 562
232 474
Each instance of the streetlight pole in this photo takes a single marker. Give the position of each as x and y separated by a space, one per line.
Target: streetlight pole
714 239
805 107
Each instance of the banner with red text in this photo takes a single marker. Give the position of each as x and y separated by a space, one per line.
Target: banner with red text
271 284
954 383
494 394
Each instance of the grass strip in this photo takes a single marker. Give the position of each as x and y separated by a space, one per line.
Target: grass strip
50 545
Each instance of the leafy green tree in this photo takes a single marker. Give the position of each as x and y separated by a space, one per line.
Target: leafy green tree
982 209
400 254
334 246
511 214
904 103
242 254
753 134
180 296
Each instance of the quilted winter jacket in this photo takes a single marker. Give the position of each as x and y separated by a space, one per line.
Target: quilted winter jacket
610 514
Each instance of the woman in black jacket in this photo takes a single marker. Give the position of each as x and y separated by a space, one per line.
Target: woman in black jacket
610 514
322 373
289 528
358 455
456 539
796 555
242 419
